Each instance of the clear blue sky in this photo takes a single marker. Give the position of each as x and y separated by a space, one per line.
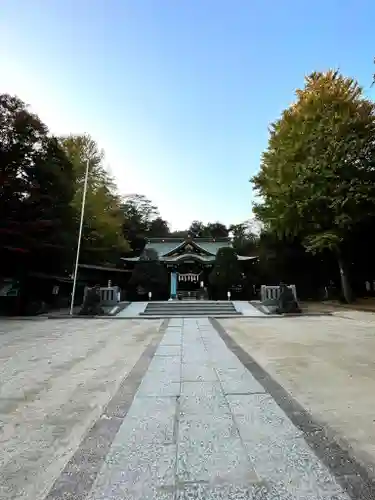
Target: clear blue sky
179 93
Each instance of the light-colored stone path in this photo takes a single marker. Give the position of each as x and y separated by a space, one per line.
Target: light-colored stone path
247 309
202 427
132 310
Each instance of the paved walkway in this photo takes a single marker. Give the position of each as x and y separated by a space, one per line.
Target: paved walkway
201 427
247 309
132 310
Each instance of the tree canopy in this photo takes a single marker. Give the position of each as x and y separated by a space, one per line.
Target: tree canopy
103 240
226 272
35 187
141 220
317 176
149 275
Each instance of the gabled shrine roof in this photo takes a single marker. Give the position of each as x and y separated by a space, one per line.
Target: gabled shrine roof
204 249
207 246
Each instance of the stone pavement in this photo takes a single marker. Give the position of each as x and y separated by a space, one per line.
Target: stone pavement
133 310
201 427
106 409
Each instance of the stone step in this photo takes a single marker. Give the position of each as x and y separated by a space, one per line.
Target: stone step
182 311
190 313
197 303
194 308
192 305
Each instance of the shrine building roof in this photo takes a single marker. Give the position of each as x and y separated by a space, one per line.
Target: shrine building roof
178 249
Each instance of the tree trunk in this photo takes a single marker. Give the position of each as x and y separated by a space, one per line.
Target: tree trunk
345 285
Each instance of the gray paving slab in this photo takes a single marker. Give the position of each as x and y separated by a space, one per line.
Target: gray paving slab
162 363
238 380
152 419
198 373
290 466
202 398
171 339
199 491
258 416
171 373
142 460
143 471
168 350
210 449
154 387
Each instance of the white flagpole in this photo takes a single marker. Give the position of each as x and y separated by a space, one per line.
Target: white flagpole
79 238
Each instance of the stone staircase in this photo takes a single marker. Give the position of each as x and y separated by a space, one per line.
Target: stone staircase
191 308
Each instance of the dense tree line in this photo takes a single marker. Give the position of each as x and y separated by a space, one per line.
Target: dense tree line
41 188
41 182
316 187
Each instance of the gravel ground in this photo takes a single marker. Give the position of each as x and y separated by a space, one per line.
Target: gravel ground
56 378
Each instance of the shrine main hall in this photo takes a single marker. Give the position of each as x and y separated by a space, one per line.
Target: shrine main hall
189 261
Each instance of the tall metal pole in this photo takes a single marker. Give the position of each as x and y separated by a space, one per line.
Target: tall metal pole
79 238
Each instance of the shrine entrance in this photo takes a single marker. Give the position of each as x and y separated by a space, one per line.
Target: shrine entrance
189 281
189 262
189 276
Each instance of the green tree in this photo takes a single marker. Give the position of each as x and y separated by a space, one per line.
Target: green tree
183 234
226 271
217 230
317 176
102 240
149 274
141 220
36 188
197 229
158 228
244 238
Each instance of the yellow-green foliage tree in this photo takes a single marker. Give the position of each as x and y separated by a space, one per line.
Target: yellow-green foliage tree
317 176
103 240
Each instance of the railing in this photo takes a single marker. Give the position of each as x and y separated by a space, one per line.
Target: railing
108 295
268 292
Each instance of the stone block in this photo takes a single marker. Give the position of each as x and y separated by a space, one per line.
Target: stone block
201 491
210 450
258 416
238 381
153 386
137 472
202 397
168 350
198 372
290 466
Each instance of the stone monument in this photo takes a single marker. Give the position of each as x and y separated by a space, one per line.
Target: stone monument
92 303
